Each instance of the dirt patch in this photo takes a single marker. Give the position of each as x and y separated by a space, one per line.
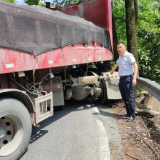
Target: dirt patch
140 138
114 148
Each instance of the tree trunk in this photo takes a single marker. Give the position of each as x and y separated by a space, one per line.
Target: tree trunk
136 14
57 3
131 28
115 39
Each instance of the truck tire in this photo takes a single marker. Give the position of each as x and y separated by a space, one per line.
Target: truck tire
15 129
103 97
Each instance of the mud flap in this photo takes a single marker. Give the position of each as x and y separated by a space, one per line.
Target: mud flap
112 82
43 106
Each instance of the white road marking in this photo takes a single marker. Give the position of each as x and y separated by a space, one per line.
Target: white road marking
103 140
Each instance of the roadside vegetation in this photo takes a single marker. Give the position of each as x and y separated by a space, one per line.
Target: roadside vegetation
148 35
140 139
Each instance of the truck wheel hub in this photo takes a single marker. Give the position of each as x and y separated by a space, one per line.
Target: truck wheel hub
2 132
6 131
10 134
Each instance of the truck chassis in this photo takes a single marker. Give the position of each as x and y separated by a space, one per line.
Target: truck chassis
32 87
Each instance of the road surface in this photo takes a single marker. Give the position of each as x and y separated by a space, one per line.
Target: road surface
84 130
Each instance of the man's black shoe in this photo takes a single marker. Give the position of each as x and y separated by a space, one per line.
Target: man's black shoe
130 119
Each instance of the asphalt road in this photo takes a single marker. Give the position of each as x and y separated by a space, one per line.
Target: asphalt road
82 131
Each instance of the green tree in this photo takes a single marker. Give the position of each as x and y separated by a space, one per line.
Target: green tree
10 1
149 41
61 3
31 2
42 4
120 20
148 36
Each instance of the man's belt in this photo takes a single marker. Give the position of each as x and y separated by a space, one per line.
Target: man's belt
126 76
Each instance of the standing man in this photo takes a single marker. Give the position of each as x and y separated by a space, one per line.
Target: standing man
127 72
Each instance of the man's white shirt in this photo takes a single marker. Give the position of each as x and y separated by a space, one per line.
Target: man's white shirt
125 64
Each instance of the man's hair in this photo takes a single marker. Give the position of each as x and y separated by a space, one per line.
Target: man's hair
120 43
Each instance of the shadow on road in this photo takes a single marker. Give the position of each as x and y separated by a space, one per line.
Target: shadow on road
70 106
107 113
38 133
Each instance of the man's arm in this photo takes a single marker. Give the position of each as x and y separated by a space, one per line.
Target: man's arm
135 73
114 68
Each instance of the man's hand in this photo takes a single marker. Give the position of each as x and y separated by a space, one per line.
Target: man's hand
115 66
134 82
135 73
111 72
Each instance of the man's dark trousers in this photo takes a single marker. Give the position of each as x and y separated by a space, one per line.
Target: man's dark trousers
126 89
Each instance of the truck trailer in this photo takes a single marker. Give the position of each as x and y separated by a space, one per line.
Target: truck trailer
48 56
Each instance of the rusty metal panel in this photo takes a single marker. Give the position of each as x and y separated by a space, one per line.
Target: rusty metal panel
58 96
113 91
57 89
88 80
112 82
4 81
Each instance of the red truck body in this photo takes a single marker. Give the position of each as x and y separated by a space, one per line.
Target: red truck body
15 61
98 11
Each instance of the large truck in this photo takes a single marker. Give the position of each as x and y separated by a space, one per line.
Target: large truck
46 58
